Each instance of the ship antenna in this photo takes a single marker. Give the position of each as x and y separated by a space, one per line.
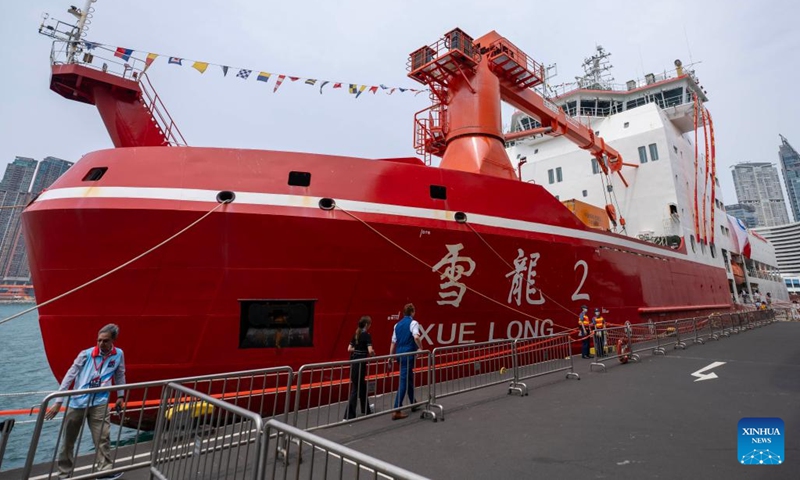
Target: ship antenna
84 20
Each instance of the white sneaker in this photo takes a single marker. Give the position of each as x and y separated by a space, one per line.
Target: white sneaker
112 476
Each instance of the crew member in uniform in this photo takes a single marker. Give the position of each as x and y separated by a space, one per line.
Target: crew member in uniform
598 324
405 338
585 327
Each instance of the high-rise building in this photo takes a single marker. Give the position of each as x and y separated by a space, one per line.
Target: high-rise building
759 185
23 179
18 175
790 164
49 170
786 239
745 213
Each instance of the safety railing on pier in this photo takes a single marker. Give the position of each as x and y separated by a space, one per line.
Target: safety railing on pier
323 390
264 391
207 411
199 436
322 458
534 357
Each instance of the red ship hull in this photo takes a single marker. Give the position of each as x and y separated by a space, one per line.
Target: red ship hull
180 308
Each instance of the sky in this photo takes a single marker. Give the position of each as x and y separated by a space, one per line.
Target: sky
745 56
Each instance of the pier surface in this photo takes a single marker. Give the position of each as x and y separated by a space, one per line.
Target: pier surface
650 419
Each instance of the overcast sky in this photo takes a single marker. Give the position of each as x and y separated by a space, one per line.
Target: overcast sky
748 53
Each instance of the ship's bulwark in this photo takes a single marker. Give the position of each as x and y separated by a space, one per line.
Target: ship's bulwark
179 308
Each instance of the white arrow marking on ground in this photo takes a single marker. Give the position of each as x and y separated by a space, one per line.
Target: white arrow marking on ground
707 376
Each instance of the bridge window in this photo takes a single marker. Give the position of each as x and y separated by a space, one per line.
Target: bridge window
595 166
559 178
642 155
653 152
551 179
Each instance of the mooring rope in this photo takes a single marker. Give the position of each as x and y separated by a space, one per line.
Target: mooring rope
512 267
113 270
430 267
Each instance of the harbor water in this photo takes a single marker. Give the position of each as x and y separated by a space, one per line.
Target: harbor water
24 368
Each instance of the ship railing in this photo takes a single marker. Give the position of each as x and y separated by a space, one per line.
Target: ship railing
322 391
463 368
324 458
539 356
159 113
198 435
266 391
95 56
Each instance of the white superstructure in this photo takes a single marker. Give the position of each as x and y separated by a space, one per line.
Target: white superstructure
652 125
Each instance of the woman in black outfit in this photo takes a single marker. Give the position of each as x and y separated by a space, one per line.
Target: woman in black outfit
360 347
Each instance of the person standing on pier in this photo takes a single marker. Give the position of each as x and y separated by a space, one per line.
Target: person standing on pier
584 326
360 347
405 338
598 325
94 367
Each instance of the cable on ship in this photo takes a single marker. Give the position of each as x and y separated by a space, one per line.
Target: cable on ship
223 198
430 267
511 266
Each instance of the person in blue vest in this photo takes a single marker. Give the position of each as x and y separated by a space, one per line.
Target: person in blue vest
406 337
94 367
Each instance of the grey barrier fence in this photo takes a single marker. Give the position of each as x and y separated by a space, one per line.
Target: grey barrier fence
620 342
198 436
463 368
5 431
322 458
534 357
265 391
322 390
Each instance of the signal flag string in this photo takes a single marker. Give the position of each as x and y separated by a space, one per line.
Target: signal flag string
113 270
126 54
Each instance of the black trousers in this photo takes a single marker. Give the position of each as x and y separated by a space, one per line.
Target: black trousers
358 389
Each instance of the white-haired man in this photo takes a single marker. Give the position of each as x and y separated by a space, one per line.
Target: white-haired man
94 367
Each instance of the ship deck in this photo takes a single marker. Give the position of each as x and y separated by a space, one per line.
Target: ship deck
640 420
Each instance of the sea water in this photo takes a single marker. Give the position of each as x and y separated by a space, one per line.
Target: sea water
24 368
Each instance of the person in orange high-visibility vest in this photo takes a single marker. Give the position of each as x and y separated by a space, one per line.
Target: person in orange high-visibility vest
585 328
598 325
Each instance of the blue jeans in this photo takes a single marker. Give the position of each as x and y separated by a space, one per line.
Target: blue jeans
406 381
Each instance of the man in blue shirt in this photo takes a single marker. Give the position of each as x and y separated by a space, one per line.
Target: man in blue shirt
94 367
405 338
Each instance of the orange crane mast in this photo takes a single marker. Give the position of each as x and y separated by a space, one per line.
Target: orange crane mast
468 80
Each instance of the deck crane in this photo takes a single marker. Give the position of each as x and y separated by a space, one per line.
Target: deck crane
468 80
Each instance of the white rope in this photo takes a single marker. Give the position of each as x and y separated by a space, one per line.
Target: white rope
22 394
115 269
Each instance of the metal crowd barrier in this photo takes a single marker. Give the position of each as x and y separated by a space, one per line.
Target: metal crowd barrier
264 391
322 390
463 368
199 436
5 431
619 340
534 357
322 458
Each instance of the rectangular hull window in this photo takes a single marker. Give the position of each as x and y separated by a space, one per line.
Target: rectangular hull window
276 323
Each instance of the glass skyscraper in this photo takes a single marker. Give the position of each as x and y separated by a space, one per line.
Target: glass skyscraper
758 184
790 164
